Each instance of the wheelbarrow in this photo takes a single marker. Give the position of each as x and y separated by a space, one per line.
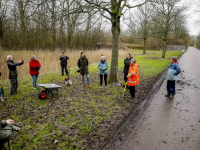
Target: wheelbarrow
48 89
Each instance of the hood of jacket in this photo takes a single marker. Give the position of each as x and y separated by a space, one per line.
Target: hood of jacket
134 65
129 58
34 60
83 57
176 62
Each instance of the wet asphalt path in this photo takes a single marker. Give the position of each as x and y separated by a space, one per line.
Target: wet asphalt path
171 124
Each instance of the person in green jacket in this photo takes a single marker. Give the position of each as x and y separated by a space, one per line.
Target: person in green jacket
6 128
83 66
103 73
12 66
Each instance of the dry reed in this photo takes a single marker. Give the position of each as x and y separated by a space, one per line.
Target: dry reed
49 60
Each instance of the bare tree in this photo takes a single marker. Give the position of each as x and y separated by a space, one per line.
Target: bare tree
143 20
164 12
113 10
4 17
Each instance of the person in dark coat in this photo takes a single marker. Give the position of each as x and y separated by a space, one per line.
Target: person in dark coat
83 66
127 62
6 129
63 62
12 66
34 67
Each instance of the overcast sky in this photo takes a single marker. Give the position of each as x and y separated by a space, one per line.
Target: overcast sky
191 13
193 17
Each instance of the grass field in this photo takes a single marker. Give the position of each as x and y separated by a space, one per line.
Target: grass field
78 117
50 60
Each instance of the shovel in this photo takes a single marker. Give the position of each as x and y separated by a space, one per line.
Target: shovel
124 91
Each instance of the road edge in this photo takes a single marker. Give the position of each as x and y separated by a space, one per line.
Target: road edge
135 114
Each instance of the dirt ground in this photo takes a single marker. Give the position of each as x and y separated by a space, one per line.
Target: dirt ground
170 124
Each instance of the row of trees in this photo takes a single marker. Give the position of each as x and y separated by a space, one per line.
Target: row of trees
48 24
161 21
196 39
52 24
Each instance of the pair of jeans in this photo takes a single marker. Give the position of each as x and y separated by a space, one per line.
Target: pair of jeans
34 80
88 79
64 67
101 79
132 91
171 87
14 85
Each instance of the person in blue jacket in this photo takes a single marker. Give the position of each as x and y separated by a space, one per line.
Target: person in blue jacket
172 76
103 73
2 97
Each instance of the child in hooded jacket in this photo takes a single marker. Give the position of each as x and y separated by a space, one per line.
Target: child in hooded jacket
172 76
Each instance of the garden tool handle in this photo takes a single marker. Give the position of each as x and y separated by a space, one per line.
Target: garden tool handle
69 71
125 86
9 145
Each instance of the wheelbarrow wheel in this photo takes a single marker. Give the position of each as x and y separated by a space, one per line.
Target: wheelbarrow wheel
43 95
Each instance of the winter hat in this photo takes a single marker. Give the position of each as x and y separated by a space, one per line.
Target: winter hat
8 57
103 57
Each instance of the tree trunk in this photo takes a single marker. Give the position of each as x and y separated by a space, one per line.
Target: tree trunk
1 32
115 52
87 33
164 48
145 45
53 25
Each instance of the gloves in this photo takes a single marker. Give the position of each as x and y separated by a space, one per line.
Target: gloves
37 68
78 71
128 76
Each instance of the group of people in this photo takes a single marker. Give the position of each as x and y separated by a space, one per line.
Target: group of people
131 77
131 72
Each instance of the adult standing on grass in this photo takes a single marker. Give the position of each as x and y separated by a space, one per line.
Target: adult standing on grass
34 67
172 76
83 66
6 129
12 66
127 62
63 62
133 77
103 66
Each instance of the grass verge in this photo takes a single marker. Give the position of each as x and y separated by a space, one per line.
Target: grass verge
79 118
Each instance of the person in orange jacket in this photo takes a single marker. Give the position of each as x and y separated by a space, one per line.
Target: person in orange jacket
133 77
